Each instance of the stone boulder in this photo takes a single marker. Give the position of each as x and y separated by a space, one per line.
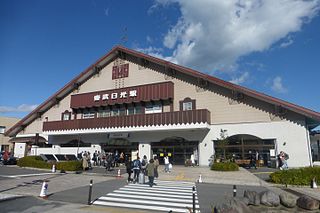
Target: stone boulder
287 200
253 197
269 198
232 205
308 203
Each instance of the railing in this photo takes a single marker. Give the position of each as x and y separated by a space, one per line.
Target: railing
165 118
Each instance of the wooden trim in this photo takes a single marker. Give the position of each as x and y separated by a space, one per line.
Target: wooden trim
165 118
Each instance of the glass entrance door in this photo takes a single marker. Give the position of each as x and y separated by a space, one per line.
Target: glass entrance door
178 150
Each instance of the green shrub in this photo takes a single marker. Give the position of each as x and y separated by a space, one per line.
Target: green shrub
33 161
301 176
69 165
37 162
225 166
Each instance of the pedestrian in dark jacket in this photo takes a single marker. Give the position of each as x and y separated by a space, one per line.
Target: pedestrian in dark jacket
156 165
129 169
136 169
150 172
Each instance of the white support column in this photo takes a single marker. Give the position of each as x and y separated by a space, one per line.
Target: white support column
144 149
206 149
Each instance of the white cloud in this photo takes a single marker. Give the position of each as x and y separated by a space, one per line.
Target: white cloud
213 34
287 42
21 108
277 85
241 79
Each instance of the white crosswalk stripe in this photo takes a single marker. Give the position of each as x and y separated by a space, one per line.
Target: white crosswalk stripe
165 196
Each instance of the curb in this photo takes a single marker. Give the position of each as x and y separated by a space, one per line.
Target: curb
10 197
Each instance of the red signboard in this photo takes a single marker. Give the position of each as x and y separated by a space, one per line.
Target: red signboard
145 93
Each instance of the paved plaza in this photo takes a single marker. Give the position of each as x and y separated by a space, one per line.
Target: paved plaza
69 192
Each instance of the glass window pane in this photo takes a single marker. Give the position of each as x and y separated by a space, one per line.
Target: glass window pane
122 111
66 116
187 106
115 112
130 111
137 109
2 129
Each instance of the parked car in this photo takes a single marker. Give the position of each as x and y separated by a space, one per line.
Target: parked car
10 161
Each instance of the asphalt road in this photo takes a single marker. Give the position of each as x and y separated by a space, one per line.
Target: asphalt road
262 172
9 171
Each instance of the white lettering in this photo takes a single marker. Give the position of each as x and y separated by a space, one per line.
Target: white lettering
96 98
133 93
114 95
105 96
123 94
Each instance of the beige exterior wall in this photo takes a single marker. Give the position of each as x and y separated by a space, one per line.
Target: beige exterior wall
216 100
7 122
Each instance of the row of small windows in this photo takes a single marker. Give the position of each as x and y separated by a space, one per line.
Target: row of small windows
149 108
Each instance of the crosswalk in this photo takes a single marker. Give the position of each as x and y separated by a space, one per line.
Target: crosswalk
175 196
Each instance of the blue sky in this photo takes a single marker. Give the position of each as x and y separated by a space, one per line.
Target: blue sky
272 46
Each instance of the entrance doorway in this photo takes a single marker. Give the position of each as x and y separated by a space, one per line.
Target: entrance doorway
178 149
119 145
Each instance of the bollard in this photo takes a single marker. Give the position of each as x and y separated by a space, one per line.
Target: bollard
90 192
313 183
44 189
193 199
53 168
234 190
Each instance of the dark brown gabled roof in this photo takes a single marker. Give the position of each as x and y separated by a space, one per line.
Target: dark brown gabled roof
121 51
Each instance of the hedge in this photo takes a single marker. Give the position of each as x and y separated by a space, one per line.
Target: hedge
38 162
225 166
301 176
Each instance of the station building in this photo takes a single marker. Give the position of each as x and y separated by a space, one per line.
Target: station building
130 102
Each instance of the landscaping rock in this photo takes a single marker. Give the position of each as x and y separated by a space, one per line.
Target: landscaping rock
254 198
308 203
269 198
232 205
287 200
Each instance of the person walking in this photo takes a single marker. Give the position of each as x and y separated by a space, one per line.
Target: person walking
156 165
166 164
136 169
144 163
150 172
252 160
192 160
85 164
284 157
129 169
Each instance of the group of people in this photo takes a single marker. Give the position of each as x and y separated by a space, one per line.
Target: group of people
142 168
105 159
